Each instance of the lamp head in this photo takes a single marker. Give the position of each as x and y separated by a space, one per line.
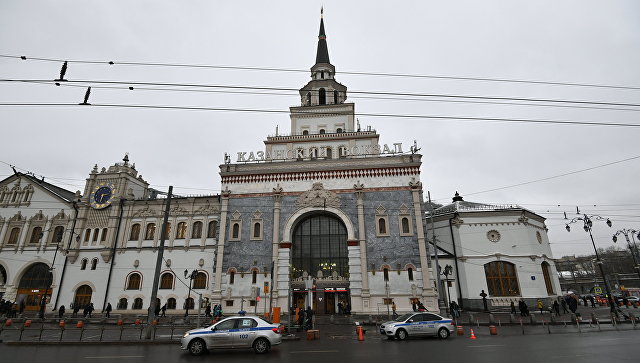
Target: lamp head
186 273
609 222
615 238
568 228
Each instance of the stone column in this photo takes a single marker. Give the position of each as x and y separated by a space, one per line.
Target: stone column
429 296
363 245
24 232
282 274
46 230
275 242
217 288
3 232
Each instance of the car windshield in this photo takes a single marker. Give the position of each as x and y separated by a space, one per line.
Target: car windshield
403 317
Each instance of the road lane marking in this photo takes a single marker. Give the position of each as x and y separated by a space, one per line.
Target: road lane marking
115 357
314 351
485 346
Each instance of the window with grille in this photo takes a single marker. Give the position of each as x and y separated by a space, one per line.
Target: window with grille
502 279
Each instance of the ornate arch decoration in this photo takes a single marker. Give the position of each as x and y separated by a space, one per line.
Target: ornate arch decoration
303 212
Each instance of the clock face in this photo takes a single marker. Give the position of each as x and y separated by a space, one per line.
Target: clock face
102 196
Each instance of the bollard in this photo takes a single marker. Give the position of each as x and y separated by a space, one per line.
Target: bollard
119 322
460 330
472 336
154 322
80 324
137 322
61 323
360 334
522 326
8 322
27 323
493 330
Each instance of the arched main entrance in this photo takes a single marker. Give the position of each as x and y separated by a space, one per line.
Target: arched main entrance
83 296
33 285
319 249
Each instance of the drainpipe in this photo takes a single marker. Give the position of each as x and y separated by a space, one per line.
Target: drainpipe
113 254
455 258
64 266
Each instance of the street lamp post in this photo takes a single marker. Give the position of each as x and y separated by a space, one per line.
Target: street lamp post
191 276
588 224
447 271
626 233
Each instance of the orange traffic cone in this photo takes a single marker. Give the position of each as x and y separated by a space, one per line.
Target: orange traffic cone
473 336
360 335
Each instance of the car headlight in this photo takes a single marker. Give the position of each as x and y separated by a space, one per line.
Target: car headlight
185 335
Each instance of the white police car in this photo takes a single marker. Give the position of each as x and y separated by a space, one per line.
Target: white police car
233 332
417 324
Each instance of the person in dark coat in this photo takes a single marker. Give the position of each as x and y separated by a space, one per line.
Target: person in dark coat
90 309
563 303
573 304
76 309
164 310
593 301
61 312
156 311
207 311
301 318
309 316
108 310
556 307
513 307
85 311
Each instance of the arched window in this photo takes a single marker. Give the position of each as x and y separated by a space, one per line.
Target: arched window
254 276
405 225
197 230
335 97
188 303
181 231
321 74
329 153
232 277
87 235
308 98
257 230
547 277
322 131
94 263
235 232
83 264
13 236
211 231
322 96
150 232
339 130
171 303
502 279
122 304
319 245
103 238
134 282
385 273
166 280
58 234
83 296
37 276
200 282
410 273
36 234
305 132
135 232
137 303
382 226
96 233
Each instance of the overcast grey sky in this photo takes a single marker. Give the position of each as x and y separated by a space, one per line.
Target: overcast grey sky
585 42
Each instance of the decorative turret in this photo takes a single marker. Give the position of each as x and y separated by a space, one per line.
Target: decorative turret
323 88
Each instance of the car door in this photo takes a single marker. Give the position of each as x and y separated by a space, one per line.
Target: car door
244 334
430 323
415 325
221 334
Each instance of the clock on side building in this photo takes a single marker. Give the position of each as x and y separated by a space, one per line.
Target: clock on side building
102 195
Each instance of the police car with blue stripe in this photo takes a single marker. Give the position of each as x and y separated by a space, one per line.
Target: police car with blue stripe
417 324
233 332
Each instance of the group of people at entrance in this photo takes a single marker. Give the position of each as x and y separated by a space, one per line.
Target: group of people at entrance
305 318
11 309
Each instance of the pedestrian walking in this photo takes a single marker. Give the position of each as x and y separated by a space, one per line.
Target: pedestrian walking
556 307
108 310
413 305
513 307
156 311
76 309
393 309
455 309
85 311
540 306
164 310
563 303
484 300
592 300
301 318
207 311
309 316
584 300
61 312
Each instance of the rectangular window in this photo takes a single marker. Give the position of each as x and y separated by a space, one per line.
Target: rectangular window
228 302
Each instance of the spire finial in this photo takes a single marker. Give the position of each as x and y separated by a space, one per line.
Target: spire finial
321 12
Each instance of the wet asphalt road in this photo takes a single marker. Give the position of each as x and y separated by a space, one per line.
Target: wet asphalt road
606 346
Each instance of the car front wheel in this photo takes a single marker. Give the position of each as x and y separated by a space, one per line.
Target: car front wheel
443 333
401 334
197 347
261 346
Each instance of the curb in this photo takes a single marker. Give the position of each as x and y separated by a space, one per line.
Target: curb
140 342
